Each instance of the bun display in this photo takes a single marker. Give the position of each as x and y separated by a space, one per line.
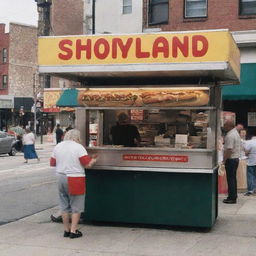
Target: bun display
175 98
107 98
161 97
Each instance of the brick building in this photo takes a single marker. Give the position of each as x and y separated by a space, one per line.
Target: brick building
18 65
176 15
239 16
66 18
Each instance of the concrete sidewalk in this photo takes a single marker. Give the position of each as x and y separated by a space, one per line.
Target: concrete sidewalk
233 234
45 143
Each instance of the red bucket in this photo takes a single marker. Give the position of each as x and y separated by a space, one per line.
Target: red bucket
222 185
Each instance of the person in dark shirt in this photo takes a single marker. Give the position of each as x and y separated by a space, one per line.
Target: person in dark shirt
125 133
59 134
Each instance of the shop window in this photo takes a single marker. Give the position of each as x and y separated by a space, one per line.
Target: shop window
195 8
47 82
4 55
127 6
158 12
4 82
247 7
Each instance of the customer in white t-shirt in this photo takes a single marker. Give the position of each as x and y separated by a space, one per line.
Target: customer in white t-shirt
70 158
250 151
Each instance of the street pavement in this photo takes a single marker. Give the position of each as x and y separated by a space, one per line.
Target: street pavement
26 189
234 233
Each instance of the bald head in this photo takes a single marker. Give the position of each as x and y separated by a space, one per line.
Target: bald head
228 125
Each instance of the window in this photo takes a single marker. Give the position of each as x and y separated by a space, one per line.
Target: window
158 12
4 55
127 6
247 7
195 8
47 82
4 82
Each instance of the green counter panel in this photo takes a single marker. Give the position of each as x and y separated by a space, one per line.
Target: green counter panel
181 199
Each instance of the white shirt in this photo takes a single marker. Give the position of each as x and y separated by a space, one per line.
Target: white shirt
67 154
29 138
250 146
243 156
233 142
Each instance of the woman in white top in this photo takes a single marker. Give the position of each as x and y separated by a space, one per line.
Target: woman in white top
70 158
29 146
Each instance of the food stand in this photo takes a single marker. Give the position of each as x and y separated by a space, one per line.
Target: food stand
170 86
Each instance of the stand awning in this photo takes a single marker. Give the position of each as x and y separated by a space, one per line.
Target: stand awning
68 98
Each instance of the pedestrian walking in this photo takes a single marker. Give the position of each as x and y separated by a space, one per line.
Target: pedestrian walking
59 134
70 158
250 152
29 146
232 151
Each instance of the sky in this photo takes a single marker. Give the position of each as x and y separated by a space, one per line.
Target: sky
20 11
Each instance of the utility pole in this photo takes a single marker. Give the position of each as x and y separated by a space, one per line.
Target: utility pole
44 26
34 92
93 16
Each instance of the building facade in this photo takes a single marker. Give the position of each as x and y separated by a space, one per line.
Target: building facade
118 16
176 15
65 18
18 77
239 16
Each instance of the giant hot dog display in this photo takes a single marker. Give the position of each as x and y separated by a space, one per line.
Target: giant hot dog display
160 97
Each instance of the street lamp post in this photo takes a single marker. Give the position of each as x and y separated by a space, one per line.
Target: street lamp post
93 16
44 27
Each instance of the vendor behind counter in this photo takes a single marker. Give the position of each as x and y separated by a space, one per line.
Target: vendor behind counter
124 133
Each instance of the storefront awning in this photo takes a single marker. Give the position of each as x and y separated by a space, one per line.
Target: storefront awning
25 102
68 98
246 90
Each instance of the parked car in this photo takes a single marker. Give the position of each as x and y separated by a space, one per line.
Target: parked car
7 144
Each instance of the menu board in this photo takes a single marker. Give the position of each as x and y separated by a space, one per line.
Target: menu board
251 118
137 115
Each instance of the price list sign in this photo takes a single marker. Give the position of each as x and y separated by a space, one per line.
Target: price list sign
251 118
137 115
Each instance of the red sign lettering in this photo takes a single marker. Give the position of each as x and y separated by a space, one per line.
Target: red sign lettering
196 51
182 46
155 158
124 47
83 47
101 43
160 45
68 51
139 53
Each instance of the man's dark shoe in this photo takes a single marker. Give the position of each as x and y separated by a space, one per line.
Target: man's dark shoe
66 234
75 235
229 201
56 219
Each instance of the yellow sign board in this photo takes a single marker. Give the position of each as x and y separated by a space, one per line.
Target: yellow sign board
141 48
180 47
